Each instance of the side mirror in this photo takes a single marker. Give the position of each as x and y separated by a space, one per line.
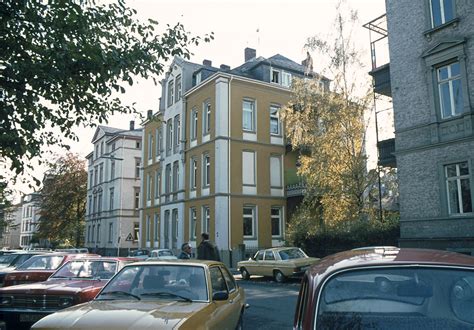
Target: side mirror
221 295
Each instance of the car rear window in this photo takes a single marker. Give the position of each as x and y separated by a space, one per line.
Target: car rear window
291 254
399 298
42 263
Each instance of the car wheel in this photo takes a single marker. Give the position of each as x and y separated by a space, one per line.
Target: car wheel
279 277
245 274
240 323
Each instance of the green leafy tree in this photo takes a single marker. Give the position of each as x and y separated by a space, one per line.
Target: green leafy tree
63 63
329 127
5 203
63 201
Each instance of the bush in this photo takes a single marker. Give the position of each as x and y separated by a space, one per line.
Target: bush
319 241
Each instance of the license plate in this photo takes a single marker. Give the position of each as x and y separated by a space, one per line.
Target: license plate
30 317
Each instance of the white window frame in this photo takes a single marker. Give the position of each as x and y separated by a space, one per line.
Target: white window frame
278 184
193 183
206 219
249 110
148 228
278 217
177 132
148 188
157 186
194 124
272 80
170 92
442 12
157 225
275 115
192 223
206 170
252 217
457 179
111 199
206 118
245 168
178 87
286 79
150 146
111 231
449 81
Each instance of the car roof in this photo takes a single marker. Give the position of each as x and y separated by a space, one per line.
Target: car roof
190 262
383 256
280 248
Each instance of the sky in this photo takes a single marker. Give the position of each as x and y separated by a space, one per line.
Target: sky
269 26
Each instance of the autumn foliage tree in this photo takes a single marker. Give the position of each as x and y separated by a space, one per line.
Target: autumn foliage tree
328 127
63 201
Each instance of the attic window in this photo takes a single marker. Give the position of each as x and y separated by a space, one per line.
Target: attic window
275 76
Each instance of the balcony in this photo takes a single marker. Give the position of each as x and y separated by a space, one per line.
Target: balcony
294 184
381 80
386 153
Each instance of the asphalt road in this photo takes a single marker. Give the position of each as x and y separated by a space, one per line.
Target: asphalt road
272 305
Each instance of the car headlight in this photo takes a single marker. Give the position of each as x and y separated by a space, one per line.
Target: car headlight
65 302
5 301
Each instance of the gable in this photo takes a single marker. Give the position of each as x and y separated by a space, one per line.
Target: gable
442 46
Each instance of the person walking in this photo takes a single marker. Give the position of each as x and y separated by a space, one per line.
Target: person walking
185 251
207 250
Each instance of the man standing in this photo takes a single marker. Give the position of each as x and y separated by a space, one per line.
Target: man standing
207 250
185 251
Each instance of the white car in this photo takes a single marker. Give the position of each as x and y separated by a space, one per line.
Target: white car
162 254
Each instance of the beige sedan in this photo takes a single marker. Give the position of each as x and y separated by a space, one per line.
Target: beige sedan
279 263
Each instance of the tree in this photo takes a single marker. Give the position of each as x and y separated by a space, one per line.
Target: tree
5 203
63 201
328 127
63 63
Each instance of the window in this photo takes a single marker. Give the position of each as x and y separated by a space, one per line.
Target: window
112 170
111 231
450 90
269 255
192 224
286 79
168 179
206 118
136 231
167 228
90 204
170 92
169 137
98 233
275 75
248 168
206 219
148 228
101 173
194 124
177 129
175 176
206 170
442 11
111 199
137 145
275 120
157 184
102 148
174 229
96 151
91 178
113 146
157 224
94 205
150 146
178 88
276 217
96 174
249 221
458 188
137 198
158 141
99 202
248 115
137 167
275 172
198 78
148 187
193 173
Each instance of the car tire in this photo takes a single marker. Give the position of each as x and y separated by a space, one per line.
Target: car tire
245 274
279 277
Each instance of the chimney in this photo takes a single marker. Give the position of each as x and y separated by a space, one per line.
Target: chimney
132 125
149 114
250 53
207 63
225 67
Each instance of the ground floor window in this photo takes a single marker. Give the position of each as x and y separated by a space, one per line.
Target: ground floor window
136 231
192 224
249 221
458 188
276 218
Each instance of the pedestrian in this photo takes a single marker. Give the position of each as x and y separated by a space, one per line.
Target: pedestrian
185 251
207 250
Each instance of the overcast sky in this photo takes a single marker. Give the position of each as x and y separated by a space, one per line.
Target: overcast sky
269 26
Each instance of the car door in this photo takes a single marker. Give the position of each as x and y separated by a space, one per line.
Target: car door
255 266
269 263
221 315
236 298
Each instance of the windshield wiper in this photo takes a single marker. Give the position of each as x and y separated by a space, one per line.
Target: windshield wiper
120 293
166 294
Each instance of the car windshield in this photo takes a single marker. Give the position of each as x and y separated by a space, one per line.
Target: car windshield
42 262
7 259
151 282
165 253
93 269
398 298
291 254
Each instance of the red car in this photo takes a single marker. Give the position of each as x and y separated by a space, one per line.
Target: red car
39 268
77 281
388 288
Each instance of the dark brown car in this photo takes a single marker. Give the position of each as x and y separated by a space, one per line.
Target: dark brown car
77 281
39 268
388 288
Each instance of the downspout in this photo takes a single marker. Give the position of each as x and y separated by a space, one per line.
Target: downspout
229 127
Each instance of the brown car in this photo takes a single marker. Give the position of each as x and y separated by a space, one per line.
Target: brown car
39 268
388 288
77 281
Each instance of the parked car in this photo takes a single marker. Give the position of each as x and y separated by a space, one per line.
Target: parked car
388 288
187 294
39 268
77 281
280 263
140 254
162 254
9 262
73 250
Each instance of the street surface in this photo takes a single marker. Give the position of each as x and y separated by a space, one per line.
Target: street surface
272 305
